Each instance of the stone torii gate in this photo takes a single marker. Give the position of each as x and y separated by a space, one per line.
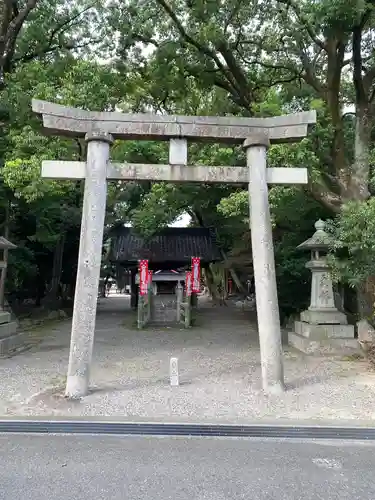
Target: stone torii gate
100 129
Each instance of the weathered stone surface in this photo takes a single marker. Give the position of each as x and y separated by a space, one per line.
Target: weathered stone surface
173 372
366 332
53 315
76 122
257 138
246 305
322 297
4 317
264 271
60 314
179 300
173 173
13 342
322 328
258 132
323 331
89 261
7 329
322 302
320 240
339 346
330 317
49 108
164 309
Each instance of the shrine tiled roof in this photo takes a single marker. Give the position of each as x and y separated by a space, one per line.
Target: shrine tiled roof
173 245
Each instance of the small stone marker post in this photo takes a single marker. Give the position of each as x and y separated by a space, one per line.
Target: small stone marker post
173 371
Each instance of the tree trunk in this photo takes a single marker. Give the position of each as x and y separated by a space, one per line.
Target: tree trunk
199 218
360 171
359 191
366 299
210 282
4 269
52 298
234 275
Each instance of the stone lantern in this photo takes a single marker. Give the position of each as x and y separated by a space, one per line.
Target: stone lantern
5 245
10 340
322 327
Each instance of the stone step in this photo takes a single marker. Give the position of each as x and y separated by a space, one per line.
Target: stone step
165 319
164 322
7 329
4 317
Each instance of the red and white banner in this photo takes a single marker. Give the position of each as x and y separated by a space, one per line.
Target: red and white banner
143 277
188 283
196 274
149 278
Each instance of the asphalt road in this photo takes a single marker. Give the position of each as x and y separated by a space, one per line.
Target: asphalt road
126 468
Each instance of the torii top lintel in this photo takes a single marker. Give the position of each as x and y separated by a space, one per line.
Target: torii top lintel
67 121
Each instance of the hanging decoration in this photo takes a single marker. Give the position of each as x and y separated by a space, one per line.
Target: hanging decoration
196 274
143 276
188 283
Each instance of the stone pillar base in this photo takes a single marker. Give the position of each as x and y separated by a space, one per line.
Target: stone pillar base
323 331
324 316
312 338
333 346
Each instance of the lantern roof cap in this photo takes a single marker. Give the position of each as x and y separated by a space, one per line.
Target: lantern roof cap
320 240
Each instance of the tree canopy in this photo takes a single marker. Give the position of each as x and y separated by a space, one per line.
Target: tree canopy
204 57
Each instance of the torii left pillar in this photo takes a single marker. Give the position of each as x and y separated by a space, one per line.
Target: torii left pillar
89 261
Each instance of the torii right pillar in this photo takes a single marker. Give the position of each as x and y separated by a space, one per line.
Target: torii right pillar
264 265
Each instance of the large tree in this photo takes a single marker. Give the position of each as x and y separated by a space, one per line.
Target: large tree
243 48
31 29
314 54
36 30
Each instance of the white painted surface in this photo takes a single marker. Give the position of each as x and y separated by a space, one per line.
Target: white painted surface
173 372
178 151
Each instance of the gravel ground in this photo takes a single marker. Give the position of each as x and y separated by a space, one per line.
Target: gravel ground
219 372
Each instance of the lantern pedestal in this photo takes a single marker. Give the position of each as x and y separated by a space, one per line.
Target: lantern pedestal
10 340
7 326
322 327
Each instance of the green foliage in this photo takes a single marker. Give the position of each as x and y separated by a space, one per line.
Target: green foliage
251 58
353 233
23 177
235 205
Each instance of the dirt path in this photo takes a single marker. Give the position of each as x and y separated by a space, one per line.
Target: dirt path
219 369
